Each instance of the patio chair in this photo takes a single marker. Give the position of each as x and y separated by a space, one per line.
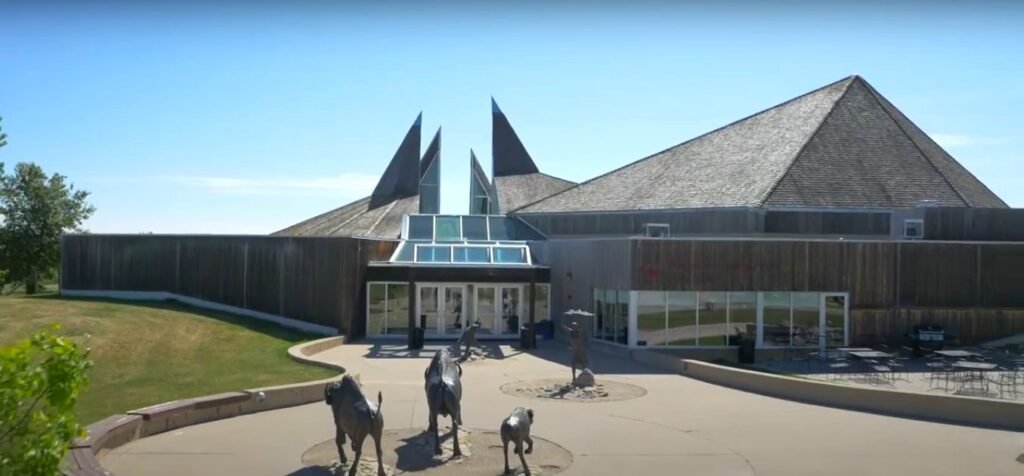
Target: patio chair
940 371
1006 382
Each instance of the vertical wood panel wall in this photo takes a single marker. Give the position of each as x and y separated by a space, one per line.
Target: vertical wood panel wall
580 266
317 280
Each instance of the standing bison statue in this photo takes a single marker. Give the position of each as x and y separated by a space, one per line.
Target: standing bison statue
444 396
355 417
515 429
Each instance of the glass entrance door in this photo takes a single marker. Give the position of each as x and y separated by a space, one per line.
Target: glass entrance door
441 309
486 310
511 309
833 320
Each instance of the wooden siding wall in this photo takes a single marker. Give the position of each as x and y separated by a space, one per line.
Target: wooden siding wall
684 222
871 327
827 223
580 266
974 224
317 280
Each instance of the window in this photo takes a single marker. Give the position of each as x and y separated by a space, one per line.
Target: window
777 319
657 230
474 228
712 319
505 254
470 254
682 318
742 316
433 254
650 318
387 309
806 313
913 229
499 229
447 229
421 227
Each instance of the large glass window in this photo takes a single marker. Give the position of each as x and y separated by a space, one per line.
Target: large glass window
447 229
509 255
430 187
835 320
650 318
682 318
777 318
742 316
712 319
434 254
598 326
377 309
421 227
470 254
806 313
474 228
541 305
398 309
499 230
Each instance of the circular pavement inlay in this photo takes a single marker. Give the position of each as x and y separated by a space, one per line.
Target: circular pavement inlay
560 389
410 451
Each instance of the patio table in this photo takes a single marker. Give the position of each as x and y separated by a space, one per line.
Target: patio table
974 372
870 354
958 354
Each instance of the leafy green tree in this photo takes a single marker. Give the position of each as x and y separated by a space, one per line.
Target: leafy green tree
36 211
40 379
3 137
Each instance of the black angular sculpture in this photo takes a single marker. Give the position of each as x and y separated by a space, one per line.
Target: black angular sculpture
355 417
401 178
468 339
444 396
516 429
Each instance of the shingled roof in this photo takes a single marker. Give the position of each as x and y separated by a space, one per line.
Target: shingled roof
842 145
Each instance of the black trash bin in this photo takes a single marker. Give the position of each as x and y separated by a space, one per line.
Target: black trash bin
746 350
417 338
525 341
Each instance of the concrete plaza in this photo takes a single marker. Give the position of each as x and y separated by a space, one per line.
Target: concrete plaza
681 426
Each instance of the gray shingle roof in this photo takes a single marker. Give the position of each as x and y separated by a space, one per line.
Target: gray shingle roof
355 219
838 146
515 191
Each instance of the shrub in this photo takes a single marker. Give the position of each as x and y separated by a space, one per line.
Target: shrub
40 379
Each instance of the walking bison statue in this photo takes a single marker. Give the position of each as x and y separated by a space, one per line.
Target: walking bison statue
444 396
355 417
516 429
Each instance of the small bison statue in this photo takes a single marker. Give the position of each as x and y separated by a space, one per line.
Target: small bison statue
516 429
355 417
444 396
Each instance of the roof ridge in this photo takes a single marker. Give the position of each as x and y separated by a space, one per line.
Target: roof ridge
879 98
578 185
373 227
852 79
353 217
573 185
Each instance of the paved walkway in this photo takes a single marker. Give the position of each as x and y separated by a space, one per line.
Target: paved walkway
682 426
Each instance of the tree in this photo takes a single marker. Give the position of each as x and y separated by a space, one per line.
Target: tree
40 379
3 137
36 211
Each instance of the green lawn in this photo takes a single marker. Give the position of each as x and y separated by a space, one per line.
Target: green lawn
147 353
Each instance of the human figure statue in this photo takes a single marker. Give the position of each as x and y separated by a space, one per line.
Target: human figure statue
469 338
577 348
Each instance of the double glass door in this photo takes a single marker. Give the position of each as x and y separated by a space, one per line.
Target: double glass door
445 309
441 309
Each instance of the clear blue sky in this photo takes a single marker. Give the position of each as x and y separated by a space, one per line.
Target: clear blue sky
219 117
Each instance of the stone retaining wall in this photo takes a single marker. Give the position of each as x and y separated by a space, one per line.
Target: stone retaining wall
116 430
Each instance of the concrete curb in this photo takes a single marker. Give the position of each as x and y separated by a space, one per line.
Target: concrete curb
116 430
958 410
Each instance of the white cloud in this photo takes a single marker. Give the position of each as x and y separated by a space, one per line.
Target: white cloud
965 140
348 185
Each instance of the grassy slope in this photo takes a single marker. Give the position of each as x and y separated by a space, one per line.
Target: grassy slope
155 352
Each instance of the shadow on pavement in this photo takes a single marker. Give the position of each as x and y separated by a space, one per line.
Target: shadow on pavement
399 350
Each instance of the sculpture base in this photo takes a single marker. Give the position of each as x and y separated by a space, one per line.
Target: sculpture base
557 389
410 451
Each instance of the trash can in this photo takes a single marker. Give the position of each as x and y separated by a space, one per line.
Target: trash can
746 350
417 338
524 338
547 329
